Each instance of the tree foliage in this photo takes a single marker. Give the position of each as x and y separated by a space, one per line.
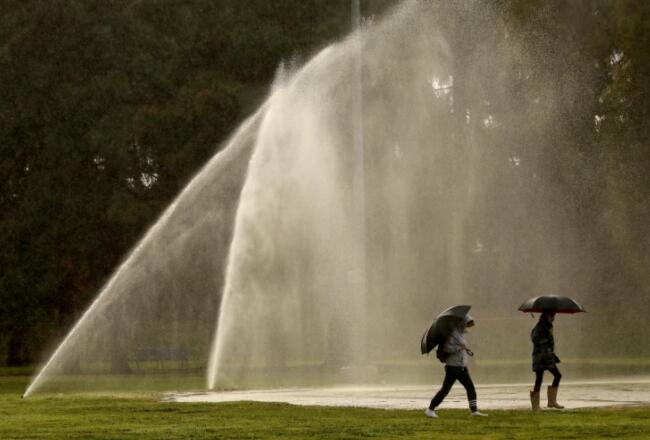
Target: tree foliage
106 110
108 107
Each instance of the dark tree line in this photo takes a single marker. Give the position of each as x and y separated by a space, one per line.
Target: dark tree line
108 107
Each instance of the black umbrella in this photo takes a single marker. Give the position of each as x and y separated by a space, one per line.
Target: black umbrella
554 303
442 327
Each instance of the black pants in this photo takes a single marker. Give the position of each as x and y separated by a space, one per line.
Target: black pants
451 375
539 375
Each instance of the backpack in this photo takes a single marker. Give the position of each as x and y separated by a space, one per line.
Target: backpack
441 354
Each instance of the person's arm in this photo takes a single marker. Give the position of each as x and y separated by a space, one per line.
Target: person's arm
452 344
540 336
542 339
455 343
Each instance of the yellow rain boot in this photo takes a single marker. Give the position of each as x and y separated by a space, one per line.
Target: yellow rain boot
552 398
534 400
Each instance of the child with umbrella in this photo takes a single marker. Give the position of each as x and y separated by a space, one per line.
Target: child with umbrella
544 357
454 353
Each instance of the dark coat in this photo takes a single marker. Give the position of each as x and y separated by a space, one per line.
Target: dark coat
543 346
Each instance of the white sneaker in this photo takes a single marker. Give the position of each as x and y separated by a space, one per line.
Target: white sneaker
431 413
478 413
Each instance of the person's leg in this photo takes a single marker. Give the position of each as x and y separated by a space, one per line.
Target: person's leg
552 390
539 376
534 393
465 379
557 376
450 378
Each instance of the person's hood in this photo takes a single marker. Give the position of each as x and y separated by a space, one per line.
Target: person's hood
462 327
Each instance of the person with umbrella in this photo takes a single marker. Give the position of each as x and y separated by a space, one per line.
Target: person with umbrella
454 352
544 357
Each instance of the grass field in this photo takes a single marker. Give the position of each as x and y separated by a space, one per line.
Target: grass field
142 416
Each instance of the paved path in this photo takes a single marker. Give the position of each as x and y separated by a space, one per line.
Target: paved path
497 396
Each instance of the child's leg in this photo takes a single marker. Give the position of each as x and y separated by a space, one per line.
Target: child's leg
466 380
539 375
450 378
556 376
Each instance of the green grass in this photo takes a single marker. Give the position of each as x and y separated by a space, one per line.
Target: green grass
108 383
142 416
484 371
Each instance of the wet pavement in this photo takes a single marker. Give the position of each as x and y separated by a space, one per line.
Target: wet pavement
572 395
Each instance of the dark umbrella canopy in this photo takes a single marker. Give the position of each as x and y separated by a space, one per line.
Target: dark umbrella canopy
555 303
442 326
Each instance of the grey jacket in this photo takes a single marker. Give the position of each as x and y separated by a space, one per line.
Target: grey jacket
454 346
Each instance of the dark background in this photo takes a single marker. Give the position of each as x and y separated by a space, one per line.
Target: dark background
107 108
